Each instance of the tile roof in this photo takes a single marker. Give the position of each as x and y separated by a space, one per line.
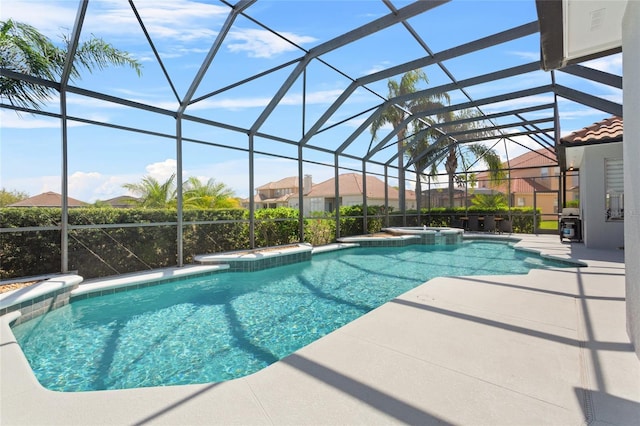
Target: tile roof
540 157
607 130
47 199
122 201
284 183
351 184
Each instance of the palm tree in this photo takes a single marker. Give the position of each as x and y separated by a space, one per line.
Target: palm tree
397 113
209 195
490 201
24 50
435 148
153 194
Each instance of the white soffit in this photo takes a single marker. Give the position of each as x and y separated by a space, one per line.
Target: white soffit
574 156
591 26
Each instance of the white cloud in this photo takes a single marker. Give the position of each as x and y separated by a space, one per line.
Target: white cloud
377 67
259 43
611 64
532 56
21 120
518 103
47 16
33 185
181 20
237 103
162 170
83 184
92 186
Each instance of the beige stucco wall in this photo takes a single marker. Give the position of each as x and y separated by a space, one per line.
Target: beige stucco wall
631 151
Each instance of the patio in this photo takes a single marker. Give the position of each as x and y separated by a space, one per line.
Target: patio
545 348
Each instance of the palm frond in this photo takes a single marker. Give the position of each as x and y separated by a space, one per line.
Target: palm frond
24 50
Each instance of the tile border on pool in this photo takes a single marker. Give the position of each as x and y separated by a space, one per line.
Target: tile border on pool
260 258
40 298
515 241
406 236
111 285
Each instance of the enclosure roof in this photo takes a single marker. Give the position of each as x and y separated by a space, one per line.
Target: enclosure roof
327 87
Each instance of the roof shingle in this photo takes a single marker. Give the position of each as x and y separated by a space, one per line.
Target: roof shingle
47 199
607 130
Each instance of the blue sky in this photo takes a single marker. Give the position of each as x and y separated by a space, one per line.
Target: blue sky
101 160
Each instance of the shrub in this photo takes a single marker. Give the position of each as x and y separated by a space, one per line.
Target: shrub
113 249
319 229
276 226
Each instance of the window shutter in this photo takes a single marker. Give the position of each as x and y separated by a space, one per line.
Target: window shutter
614 175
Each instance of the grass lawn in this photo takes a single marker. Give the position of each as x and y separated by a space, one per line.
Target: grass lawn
548 224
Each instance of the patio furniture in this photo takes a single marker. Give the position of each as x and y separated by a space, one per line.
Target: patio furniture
465 222
474 223
489 223
506 226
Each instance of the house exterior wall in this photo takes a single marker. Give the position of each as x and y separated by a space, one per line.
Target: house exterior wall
631 151
546 202
320 204
523 182
597 232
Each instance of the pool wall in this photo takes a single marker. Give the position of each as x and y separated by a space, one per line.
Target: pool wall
256 260
111 285
39 298
401 237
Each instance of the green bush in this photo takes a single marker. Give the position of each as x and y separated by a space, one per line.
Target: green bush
111 250
319 229
95 252
352 220
27 253
230 231
277 226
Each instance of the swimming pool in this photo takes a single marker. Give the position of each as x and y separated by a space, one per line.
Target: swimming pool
228 325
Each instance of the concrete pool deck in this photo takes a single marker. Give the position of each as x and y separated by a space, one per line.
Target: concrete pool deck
549 347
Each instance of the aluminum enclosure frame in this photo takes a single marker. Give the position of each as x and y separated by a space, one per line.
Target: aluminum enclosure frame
377 155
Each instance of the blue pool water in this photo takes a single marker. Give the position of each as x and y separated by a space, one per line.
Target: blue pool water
228 325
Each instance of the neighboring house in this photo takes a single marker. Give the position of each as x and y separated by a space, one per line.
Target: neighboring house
596 151
322 196
47 199
282 193
439 197
534 181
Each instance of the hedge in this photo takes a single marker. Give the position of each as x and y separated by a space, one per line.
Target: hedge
112 250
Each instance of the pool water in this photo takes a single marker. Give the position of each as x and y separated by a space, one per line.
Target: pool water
228 325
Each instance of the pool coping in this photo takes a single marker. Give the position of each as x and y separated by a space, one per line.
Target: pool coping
312 386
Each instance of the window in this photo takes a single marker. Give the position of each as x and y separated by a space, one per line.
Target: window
520 202
614 188
544 172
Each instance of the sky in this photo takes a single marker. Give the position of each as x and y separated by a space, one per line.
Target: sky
101 159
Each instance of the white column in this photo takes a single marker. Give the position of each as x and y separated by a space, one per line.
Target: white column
631 154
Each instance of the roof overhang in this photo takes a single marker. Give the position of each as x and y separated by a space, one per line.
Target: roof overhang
570 154
573 31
